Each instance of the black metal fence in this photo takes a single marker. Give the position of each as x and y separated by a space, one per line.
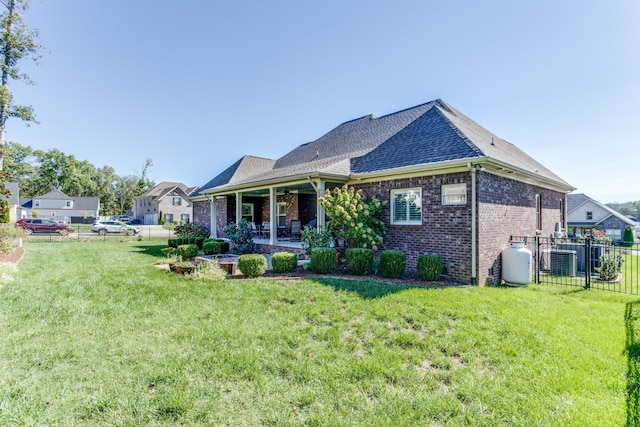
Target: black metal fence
83 232
585 263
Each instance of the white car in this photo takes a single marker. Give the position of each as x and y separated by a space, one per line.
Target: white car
112 226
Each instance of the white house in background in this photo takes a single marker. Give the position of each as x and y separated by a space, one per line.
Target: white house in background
585 213
170 198
58 206
14 200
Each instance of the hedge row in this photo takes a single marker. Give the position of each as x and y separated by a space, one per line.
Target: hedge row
199 242
360 261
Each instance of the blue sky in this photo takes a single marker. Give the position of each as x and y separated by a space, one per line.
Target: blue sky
196 84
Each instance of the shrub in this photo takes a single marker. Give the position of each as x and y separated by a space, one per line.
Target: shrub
359 261
6 245
313 238
240 236
252 265
187 251
392 263
173 243
610 265
628 238
284 262
323 260
212 247
4 211
209 270
191 230
161 218
429 267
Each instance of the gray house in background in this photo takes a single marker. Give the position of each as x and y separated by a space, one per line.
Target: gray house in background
585 214
170 198
58 206
452 188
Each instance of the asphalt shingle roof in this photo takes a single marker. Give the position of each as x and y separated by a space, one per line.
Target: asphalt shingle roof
429 133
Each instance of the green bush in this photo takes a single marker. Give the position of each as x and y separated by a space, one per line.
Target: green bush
212 247
187 251
610 265
313 238
4 211
628 238
429 267
284 262
252 265
392 263
359 261
240 236
209 270
323 260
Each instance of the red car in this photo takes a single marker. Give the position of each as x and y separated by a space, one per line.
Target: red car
37 225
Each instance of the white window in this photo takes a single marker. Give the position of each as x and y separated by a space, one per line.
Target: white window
177 201
68 203
282 214
454 194
36 203
589 215
406 206
184 218
168 218
614 233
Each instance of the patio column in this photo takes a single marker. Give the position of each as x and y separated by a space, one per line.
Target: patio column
320 189
273 212
214 219
238 207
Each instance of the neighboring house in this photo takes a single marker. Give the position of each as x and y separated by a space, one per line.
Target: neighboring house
452 187
170 198
585 214
14 200
58 206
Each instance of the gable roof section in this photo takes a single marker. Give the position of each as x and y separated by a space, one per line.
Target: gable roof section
165 188
14 198
421 136
79 203
574 201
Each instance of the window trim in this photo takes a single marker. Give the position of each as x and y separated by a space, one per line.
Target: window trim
455 191
407 220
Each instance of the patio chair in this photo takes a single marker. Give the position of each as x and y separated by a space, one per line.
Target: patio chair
266 229
296 229
254 229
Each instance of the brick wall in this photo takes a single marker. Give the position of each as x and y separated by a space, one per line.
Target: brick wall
508 208
445 230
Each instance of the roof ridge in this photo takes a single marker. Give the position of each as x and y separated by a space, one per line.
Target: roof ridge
458 131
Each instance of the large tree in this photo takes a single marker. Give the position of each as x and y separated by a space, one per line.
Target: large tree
17 42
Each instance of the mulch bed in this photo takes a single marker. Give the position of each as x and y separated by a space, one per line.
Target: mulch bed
342 273
13 257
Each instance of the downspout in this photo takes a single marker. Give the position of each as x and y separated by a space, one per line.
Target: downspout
474 214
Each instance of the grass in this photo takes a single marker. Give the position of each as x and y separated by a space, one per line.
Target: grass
93 334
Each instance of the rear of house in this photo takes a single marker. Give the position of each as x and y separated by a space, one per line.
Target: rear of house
452 188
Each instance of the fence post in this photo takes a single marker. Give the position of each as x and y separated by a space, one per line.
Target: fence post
536 257
587 263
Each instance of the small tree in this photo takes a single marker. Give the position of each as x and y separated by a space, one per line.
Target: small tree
160 218
352 217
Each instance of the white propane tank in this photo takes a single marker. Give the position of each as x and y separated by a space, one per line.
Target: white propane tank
516 264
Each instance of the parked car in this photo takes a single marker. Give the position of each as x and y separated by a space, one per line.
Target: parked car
123 218
42 225
113 226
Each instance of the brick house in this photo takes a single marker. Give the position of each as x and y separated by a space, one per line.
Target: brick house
452 188
585 214
170 198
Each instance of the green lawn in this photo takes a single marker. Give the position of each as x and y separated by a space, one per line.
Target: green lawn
94 334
